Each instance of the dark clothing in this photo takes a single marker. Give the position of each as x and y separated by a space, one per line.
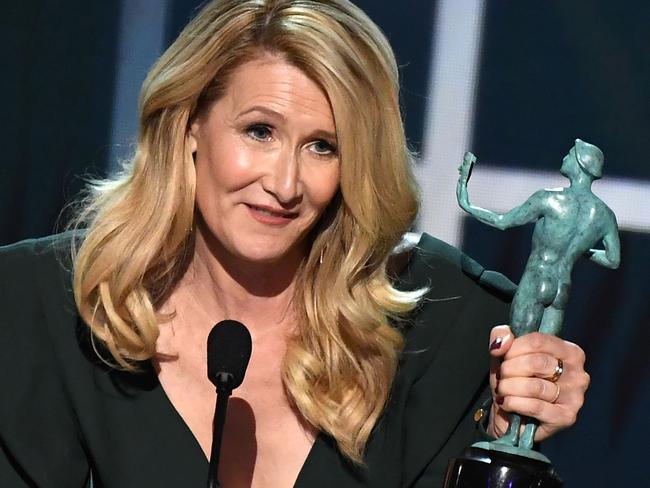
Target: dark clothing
63 414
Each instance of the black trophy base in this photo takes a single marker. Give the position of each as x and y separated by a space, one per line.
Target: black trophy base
481 468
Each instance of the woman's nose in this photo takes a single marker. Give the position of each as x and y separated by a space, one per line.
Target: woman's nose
283 178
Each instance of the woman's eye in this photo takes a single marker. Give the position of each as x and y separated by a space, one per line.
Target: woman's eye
259 132
323 148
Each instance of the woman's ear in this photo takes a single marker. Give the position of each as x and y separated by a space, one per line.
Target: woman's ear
191 137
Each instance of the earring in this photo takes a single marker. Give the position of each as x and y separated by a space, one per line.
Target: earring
320 260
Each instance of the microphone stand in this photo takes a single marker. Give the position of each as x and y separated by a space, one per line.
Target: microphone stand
229 350
224 390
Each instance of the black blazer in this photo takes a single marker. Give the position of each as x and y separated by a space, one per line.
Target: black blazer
65 415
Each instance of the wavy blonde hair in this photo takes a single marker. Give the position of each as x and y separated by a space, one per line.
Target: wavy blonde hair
339 367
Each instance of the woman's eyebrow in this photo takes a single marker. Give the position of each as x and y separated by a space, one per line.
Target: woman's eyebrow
319 133
325 135
265 110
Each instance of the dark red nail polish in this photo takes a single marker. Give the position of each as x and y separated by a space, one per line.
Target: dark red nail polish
499 400
496 343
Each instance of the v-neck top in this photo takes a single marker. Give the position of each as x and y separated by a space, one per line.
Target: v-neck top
65 417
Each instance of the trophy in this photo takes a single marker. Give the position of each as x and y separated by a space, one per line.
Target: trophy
570 222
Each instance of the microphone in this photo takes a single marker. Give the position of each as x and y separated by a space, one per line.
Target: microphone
229 350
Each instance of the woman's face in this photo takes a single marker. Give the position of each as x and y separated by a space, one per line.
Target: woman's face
266 161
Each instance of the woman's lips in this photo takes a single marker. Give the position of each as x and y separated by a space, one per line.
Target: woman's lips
271 216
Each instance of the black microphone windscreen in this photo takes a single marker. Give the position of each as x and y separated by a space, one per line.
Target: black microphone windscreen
229 350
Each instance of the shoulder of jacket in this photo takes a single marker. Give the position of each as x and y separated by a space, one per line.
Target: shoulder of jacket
437 253
50 253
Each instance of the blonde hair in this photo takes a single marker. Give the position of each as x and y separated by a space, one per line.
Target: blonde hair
339 367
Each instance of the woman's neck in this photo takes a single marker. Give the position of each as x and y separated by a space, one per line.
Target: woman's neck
220 286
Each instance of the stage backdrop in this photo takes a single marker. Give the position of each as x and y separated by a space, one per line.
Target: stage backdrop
515 82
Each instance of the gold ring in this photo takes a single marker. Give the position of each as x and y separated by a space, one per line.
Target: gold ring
557 393
559 369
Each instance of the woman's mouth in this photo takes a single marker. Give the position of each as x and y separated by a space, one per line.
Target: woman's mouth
271 216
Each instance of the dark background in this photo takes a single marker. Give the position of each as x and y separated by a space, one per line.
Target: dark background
549 72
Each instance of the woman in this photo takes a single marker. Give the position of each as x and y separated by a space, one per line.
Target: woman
271 185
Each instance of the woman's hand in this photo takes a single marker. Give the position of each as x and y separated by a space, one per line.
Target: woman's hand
521 377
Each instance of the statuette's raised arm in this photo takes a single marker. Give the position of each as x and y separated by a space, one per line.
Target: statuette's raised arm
528 212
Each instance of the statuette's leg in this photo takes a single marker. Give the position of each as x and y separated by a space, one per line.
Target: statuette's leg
511 437
528 436
552 321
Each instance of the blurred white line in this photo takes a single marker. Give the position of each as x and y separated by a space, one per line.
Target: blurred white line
450 114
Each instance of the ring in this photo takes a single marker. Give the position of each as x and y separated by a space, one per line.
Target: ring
559 369
557 393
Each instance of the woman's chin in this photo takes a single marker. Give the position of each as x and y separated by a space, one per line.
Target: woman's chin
250 249
269 255
270 259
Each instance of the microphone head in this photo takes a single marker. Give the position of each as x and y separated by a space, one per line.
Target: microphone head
229 350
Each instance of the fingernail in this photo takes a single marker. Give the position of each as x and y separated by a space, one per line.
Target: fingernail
498 342
499 400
